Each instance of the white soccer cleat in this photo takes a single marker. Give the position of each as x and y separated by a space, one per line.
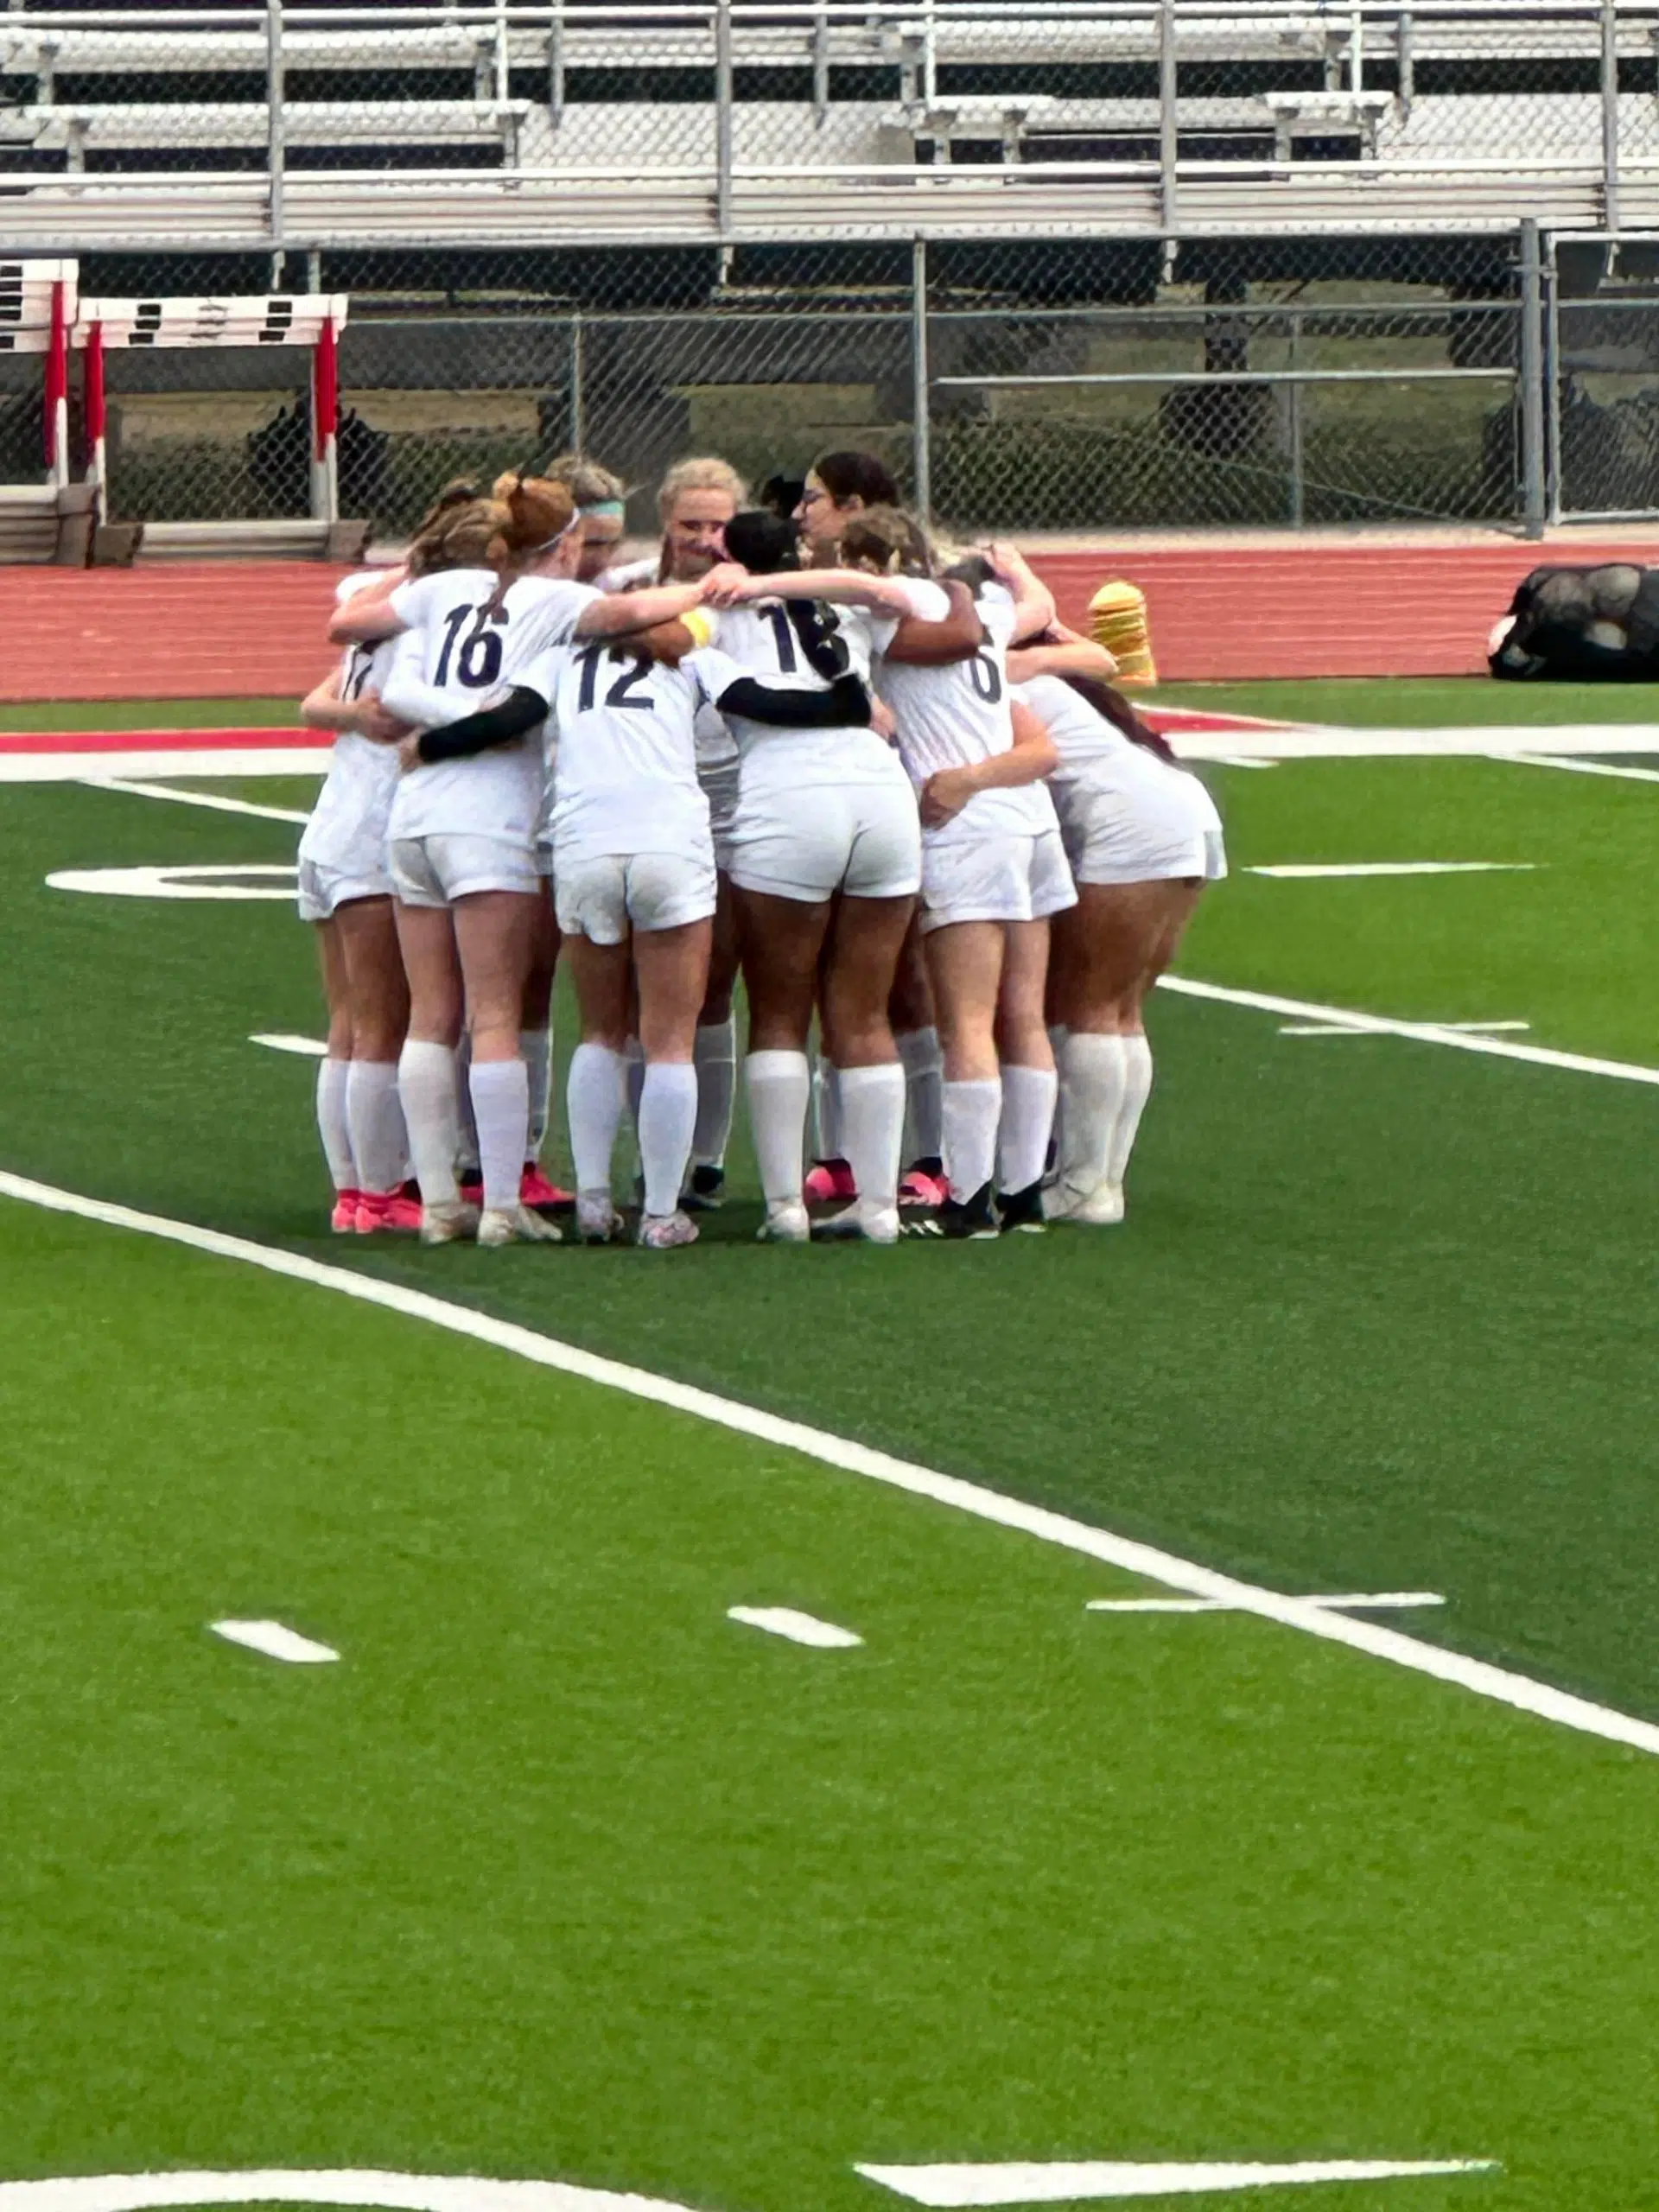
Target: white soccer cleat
1100 1207
661 1232
786 1223
598 1221
450 1222
515 1225
860 1223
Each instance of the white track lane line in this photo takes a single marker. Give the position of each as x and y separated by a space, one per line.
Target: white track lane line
798 1628
1421 1032
1476 1676
276 1642
1071 2182
209 799
1581 767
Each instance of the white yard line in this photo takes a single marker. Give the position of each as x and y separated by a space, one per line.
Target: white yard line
1384 1601
1347 1029
1581 767
276 1641
1297 871
1475 1676
209 799
278 1041
1071 2182
796 1628
1421 1032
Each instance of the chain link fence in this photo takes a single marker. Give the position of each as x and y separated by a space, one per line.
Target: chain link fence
1266 382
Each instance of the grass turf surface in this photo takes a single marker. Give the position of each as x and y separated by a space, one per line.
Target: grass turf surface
561 1873
1370 1324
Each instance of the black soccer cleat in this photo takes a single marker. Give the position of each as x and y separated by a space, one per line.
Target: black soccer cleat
705 1192
968 1218
1021 1210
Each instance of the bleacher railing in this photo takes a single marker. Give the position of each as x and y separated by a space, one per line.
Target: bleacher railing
735 120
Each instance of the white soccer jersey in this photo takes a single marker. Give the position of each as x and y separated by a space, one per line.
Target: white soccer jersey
625 773
1084 737
455 645
958 715
763 642
347 829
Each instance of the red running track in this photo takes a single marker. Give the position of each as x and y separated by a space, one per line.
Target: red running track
255 629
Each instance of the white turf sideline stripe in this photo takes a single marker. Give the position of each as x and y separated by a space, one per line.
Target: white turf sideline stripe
193 798
1581 767
1421 1032
78 767
1497 1683
1477 740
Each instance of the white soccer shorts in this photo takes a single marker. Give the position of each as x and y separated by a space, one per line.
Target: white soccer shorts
435 871
863 839
322 891
603 898
1002 876
1157 824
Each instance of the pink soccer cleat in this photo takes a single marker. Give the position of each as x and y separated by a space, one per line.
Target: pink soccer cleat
536 1191
829 1181
343 1219
918 1187
379 1211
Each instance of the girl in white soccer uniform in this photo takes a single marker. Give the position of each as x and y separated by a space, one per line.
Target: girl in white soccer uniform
825 864
697 499
1143 838
993 872
461 833
345 893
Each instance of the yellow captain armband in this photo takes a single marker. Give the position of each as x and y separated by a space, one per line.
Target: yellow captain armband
701 624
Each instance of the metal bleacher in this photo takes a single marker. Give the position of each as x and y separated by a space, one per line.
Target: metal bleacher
243 125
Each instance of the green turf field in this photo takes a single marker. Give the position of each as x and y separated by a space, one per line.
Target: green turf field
560 1872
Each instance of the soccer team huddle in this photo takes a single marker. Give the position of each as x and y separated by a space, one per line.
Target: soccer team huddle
800 744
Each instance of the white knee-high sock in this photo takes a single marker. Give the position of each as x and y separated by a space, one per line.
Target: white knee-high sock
873 1129
1028 1097
923 1065
1137 1089
593 1103
374 1113
826 1110
1057 1033
426 1083
714 1055
500 1092
467 1148
536 1051
332 1076
972 1111
1093 1078
778 1085
668 1116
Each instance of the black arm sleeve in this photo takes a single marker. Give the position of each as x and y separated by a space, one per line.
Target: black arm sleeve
845 703
520 711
